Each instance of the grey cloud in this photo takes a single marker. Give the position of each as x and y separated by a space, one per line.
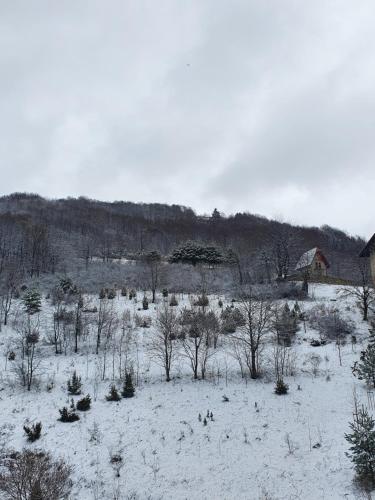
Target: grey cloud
259 106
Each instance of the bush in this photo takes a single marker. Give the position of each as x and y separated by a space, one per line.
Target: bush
123 292
202 301
128 389
132 294
33 432
281 387
34 475
142 321
164 292
102 294
173 302
68 414
289 291
113 394
74 385
329 322
111 294
84 404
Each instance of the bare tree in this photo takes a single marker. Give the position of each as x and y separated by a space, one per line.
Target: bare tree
30 361
162 345
153 264
363 292
257 313
200 330
280 251
31 474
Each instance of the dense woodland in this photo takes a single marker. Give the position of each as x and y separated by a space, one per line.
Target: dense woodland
39 236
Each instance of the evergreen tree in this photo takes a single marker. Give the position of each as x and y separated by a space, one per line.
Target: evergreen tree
364 369
74 384
32 302
362 449
111 294
84 404
145 303
102 294
128 390
68 414
281 387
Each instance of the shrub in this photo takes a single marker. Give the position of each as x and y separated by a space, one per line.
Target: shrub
123 292
165 292
173 302
289 291
34 475
281 387
102 294
84 404
68 414
128 389
33 432
202 301
74 384
142 321
111 294
113 394
132 294
330 323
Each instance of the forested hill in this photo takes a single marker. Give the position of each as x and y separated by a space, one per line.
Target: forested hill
40 235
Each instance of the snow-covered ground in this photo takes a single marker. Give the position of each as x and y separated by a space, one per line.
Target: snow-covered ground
258 445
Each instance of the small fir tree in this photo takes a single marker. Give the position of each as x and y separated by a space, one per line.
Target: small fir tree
164 292
74 384
32 302
111 294
362 449
84 404
364 369
128 389
281 387
68 414
124 292
102 294
113 394
145 303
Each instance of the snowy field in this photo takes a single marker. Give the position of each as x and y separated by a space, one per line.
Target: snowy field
257 446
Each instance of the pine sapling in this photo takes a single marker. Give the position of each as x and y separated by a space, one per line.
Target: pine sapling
74 385
128 389
84 404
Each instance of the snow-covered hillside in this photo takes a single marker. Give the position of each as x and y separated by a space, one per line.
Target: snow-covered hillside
257 445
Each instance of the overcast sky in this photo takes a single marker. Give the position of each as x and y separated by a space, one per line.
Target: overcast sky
266 106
